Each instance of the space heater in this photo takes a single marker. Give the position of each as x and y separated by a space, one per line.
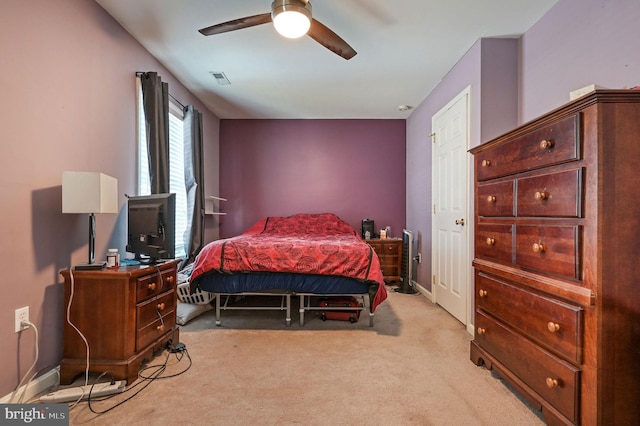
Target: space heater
406 284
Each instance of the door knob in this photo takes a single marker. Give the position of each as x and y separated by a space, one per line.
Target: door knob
460 222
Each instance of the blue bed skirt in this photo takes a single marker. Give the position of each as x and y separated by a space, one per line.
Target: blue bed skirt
216 282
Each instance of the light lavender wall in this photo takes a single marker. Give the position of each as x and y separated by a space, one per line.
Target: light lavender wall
68 81
489 69
354 168
578 43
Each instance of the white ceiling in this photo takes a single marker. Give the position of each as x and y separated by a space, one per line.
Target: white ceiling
405 47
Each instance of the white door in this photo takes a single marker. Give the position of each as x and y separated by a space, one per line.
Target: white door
450 222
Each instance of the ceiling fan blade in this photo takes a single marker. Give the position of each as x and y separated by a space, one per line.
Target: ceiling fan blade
237 24
330 40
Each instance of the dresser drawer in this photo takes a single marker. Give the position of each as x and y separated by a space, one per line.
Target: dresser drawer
152 309
554 143
552 249
555 194
494 241
495 199
154 284
555 380
554 324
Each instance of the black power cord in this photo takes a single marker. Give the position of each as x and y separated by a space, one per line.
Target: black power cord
178 350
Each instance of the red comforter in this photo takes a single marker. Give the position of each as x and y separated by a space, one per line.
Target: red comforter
321 244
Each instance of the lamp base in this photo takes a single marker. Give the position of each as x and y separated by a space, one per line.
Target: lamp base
90 266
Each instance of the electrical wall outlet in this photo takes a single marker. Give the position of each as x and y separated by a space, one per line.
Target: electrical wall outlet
22 314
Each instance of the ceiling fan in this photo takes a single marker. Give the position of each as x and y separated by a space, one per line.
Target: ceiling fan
299 12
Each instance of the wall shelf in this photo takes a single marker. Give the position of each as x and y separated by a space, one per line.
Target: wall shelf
210 205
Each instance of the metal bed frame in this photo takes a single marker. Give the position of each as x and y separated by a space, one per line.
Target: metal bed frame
285 304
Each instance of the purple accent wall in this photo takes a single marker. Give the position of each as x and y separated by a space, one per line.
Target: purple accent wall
354 168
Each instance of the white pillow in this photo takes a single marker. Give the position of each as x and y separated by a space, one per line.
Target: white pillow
187 311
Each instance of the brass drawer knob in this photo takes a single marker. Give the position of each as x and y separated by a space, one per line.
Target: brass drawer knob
537 247
170 279
481 330
546 144
490 241
482 293
152 286
160 327
486 163
161 306
552 383
553 327
541 195
491 199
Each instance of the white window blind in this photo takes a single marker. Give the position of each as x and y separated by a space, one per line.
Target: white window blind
176 166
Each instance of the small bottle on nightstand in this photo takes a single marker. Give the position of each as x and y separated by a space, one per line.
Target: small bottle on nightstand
113 258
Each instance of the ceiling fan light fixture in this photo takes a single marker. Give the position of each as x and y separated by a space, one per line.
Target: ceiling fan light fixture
291 18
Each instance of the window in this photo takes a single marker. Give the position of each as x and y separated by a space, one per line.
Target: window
176 166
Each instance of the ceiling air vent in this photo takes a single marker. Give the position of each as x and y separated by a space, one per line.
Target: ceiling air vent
220 78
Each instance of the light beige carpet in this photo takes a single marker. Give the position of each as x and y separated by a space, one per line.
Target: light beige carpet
411 368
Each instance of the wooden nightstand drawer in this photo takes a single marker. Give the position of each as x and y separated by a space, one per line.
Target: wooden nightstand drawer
554 143
552 249
554 324
557 381
153 284
152 309
551 195
155 330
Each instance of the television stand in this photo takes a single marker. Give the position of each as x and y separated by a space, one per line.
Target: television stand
125 313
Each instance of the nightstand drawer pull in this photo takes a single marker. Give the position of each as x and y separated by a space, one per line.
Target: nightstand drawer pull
161 306
491 199
160 327
170 279
538 248
486 163
491 241
481 330
553 327
152 286
546 144
552 383
482 293
541 195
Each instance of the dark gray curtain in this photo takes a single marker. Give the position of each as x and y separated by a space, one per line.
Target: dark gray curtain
194 182
155 95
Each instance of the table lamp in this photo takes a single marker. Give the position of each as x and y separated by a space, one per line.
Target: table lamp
89 193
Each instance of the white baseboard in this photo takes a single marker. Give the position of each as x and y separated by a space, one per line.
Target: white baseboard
48 380
426 293
471 329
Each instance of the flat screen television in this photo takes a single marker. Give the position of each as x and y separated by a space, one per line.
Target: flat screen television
151 224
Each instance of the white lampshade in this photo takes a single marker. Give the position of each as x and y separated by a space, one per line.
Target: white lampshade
89 192
292 19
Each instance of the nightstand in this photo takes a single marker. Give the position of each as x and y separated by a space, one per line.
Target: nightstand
126 314
389 252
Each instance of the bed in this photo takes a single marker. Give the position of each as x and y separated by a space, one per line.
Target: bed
304 255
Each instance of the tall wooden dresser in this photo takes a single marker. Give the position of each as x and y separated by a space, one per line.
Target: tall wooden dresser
557 260
125 314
